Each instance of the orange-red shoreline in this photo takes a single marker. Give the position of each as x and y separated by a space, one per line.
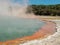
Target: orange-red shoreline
48 29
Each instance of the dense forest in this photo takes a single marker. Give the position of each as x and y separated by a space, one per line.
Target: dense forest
44 10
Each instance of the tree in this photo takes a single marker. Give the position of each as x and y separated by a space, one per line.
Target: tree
46 10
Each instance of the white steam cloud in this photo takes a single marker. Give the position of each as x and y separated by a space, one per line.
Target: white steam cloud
7 7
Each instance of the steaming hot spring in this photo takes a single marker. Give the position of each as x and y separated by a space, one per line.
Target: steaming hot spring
12 27
24 28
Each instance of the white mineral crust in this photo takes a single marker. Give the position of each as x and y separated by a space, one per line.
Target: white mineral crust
50 40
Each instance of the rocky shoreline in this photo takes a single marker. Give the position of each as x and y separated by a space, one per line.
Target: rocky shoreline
45 31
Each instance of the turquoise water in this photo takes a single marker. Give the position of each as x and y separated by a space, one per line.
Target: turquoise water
12 28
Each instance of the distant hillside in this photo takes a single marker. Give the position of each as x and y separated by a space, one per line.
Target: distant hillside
44 10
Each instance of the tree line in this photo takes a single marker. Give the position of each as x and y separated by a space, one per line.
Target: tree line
44 10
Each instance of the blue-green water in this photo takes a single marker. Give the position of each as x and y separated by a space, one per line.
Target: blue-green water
12 28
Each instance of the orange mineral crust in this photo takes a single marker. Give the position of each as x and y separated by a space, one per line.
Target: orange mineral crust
48 29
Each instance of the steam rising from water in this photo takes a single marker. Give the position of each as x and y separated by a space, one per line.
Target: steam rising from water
15 27
9 7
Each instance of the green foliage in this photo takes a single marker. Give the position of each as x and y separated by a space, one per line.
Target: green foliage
45 10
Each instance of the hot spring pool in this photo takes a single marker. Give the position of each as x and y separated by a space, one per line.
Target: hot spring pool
12 28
